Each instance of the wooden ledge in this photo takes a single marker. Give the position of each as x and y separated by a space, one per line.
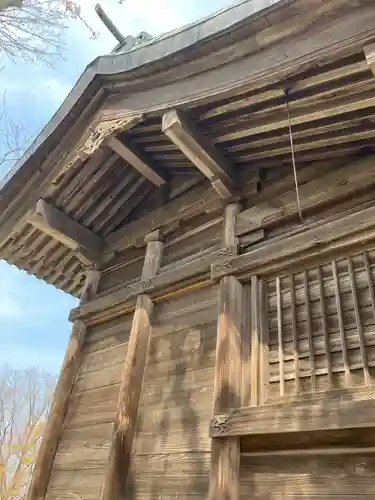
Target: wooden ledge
174 278
340 409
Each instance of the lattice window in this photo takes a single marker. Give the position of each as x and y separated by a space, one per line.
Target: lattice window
316 329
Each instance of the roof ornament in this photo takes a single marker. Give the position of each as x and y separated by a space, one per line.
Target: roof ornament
286 91
125 43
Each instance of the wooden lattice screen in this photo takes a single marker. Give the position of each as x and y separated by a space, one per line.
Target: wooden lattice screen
313 330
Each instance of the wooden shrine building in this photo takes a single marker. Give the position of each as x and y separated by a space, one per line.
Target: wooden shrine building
210 196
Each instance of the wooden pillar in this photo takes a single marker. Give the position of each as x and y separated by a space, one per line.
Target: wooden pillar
132 378
225 452
54 425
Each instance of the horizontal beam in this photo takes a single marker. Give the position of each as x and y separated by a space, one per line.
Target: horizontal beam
339 409
353 230
162 282
326 189
197 148
131 154
88 246
314 241
198 201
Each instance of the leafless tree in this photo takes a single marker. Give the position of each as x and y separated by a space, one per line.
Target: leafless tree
33 29
25 397
14 139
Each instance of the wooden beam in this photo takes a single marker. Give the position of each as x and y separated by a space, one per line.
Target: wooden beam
338 235
48 219
369 51
132 155
55 423
325 190
197 201
339 409
173 277
205 156
131 382
335 185
314 239
225 453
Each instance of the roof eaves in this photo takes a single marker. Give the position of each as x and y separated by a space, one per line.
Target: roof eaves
158 48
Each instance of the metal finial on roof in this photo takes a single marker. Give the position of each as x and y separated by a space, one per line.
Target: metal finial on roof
293 154
109 23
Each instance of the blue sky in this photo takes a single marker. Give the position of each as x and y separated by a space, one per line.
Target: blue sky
34 329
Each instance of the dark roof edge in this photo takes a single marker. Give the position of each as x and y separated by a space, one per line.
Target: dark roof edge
161 47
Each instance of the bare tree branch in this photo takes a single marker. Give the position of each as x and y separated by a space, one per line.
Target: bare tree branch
25 398
34 29
14 139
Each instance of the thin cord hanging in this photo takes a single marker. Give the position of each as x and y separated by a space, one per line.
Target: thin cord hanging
293 156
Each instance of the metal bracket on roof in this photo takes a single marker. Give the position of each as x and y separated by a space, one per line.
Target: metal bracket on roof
131 41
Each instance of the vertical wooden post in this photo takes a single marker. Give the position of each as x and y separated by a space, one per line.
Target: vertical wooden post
225 452
132 378
54 426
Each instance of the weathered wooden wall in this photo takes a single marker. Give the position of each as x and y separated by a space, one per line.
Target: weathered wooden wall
307 477
79 467
171 449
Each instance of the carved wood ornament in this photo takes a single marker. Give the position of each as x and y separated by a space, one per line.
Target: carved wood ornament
219 425
98 134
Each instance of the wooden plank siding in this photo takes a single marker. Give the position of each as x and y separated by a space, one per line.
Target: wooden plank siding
88 426
171 451
307 477
294 348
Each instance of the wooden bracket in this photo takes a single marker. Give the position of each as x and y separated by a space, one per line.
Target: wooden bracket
136 158
87 245
204 155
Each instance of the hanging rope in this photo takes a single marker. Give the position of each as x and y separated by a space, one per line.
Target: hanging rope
293 156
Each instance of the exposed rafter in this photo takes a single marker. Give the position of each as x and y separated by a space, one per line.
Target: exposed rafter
204 155
87 245
130 153
369 51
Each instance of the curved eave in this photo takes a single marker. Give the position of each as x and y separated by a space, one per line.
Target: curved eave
228 73
168 49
